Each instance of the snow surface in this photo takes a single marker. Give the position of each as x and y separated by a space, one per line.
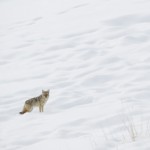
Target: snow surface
94 56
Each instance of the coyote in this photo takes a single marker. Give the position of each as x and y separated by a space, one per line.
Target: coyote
36 101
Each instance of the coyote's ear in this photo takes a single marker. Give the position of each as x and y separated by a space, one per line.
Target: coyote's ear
42 91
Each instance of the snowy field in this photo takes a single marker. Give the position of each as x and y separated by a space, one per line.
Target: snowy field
94 56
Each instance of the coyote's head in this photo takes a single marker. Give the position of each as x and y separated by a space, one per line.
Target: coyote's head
45 93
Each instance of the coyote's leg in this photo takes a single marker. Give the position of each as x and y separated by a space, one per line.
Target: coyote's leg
41 108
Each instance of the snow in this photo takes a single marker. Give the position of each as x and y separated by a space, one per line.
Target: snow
94 57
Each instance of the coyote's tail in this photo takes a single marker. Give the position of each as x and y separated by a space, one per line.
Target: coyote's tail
21 113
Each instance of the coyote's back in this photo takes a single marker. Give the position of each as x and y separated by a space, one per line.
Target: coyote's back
36 101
